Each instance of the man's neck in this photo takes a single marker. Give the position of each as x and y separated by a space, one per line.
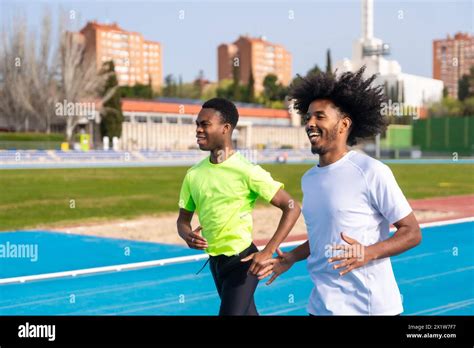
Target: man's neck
332 156
220 154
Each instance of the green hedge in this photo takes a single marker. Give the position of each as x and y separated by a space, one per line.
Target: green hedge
30 145
7 136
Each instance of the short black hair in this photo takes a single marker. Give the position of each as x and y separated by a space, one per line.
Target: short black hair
350 93
225 107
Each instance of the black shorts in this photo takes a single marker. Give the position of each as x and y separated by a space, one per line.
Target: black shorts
235 287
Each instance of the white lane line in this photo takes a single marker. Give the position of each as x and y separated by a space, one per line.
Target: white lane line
163 262
443 307
436 275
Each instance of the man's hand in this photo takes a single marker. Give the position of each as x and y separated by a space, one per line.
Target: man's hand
260 260
195 240
355 255
284 261
279 265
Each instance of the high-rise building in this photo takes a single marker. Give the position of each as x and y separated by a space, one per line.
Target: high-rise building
256 56
136 60
452 58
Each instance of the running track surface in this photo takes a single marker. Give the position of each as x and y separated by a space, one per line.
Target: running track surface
435 278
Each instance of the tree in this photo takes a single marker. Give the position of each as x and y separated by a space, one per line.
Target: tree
328 62
466 85
445 92
180 86
448 106
199 84
224 89
111 114
137 91
80 80
463 87
36 75
468 106
170 88
314 70
27 75
236 90
270 87
210 91
250 97
274 93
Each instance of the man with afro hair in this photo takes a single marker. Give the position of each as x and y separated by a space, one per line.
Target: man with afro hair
349 201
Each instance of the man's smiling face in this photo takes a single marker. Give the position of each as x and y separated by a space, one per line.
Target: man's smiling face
322 123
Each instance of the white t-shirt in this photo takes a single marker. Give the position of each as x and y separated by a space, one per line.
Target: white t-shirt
359 196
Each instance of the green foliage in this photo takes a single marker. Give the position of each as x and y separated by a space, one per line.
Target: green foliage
7 136
463 105
236 89
170 88
137 91
314 70
111 114
448 106
468 104
463 87
445 92
250 95
210 91
328 62
273 91
466 85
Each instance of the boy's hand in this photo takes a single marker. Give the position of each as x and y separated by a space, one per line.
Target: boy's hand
195 240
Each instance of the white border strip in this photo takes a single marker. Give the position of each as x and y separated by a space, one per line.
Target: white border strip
173 260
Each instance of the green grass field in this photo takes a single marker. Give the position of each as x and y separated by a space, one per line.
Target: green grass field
29 198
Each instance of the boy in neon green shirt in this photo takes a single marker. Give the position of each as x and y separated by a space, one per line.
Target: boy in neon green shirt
222 189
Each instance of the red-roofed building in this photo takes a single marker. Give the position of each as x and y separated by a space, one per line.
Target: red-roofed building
167 125
143 111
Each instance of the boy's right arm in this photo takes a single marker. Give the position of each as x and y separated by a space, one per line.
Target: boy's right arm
192 238
284 261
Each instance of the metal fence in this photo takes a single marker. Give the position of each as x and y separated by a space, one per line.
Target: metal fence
446 134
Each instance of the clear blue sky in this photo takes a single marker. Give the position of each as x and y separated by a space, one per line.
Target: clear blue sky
190 44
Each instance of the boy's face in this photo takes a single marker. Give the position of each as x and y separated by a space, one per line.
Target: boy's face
211 130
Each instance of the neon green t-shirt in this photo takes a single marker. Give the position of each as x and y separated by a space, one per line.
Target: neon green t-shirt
223 195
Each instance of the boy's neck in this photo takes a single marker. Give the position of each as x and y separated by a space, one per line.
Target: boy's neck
220 154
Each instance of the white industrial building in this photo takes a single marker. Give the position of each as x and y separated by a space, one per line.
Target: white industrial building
411 90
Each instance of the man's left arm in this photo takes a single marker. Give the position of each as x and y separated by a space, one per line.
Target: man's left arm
355 255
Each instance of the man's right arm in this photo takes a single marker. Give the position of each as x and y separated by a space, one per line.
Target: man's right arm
301 252
284 261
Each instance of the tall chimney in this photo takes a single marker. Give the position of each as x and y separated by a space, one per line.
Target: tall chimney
367 21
